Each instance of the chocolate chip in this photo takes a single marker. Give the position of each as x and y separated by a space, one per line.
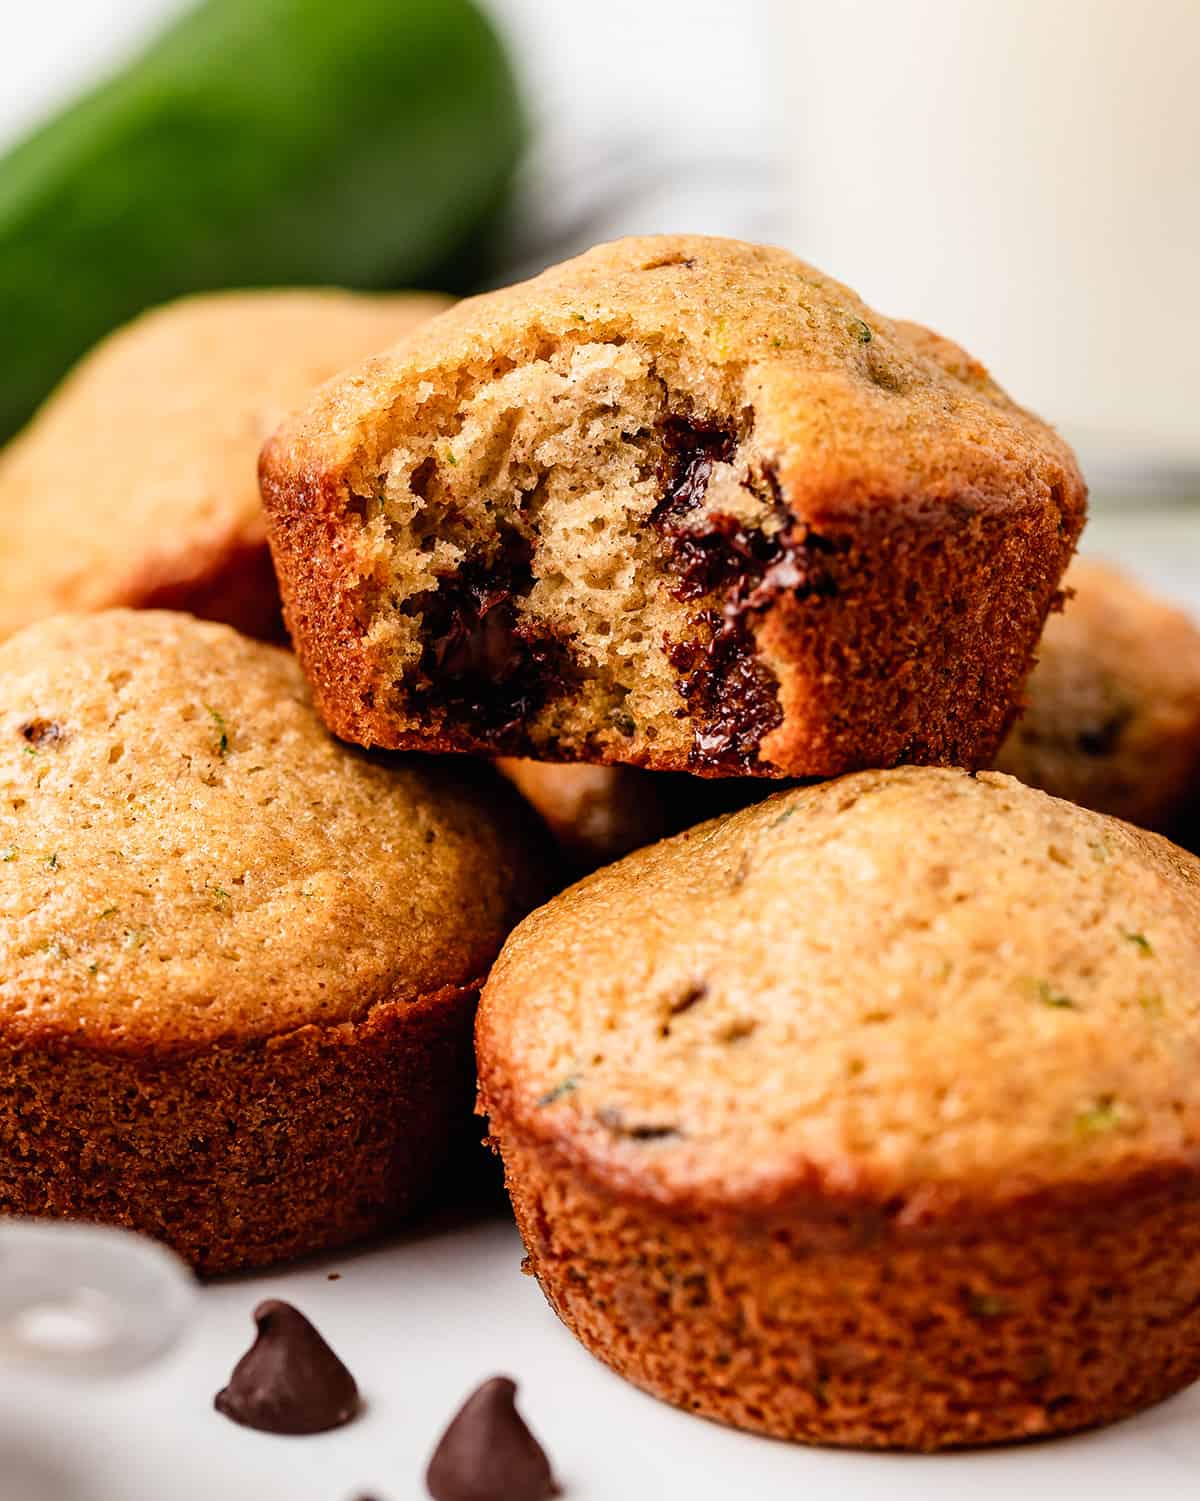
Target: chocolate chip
480 658
41 732
690 996
488 1454
613 1120
686 261
732 697
690 449
289 1381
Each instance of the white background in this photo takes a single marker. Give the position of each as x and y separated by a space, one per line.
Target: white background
1025 176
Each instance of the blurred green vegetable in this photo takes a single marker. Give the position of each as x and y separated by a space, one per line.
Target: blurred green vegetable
362 143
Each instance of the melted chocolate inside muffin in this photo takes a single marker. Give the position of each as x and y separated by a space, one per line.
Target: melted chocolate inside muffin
485 659
730 693
509 525
480 659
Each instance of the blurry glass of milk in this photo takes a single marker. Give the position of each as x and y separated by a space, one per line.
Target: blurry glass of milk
1024 176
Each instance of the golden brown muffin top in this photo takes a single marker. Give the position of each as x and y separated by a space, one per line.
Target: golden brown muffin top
913 983
847 406
140 472
1112 717
187 856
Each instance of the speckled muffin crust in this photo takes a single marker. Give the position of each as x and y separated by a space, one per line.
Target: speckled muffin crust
136 483
682 502
238 961
1112 716
868 1115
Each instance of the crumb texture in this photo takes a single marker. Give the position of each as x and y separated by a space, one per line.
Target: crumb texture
683 503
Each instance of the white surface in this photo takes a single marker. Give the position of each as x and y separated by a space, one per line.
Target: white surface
422 1319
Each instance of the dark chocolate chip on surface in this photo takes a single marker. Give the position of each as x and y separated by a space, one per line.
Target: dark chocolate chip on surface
488 1454
41 732
289 1380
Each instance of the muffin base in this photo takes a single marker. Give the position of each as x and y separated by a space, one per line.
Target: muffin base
242 1155
866 1328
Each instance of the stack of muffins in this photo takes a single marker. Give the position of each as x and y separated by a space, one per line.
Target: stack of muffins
863 1113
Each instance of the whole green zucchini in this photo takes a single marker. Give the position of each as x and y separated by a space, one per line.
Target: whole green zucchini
362 143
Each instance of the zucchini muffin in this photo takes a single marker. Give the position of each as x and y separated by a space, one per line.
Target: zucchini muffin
599 813
238 961
684 503
869 1115
1112 718
595 813
136 483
